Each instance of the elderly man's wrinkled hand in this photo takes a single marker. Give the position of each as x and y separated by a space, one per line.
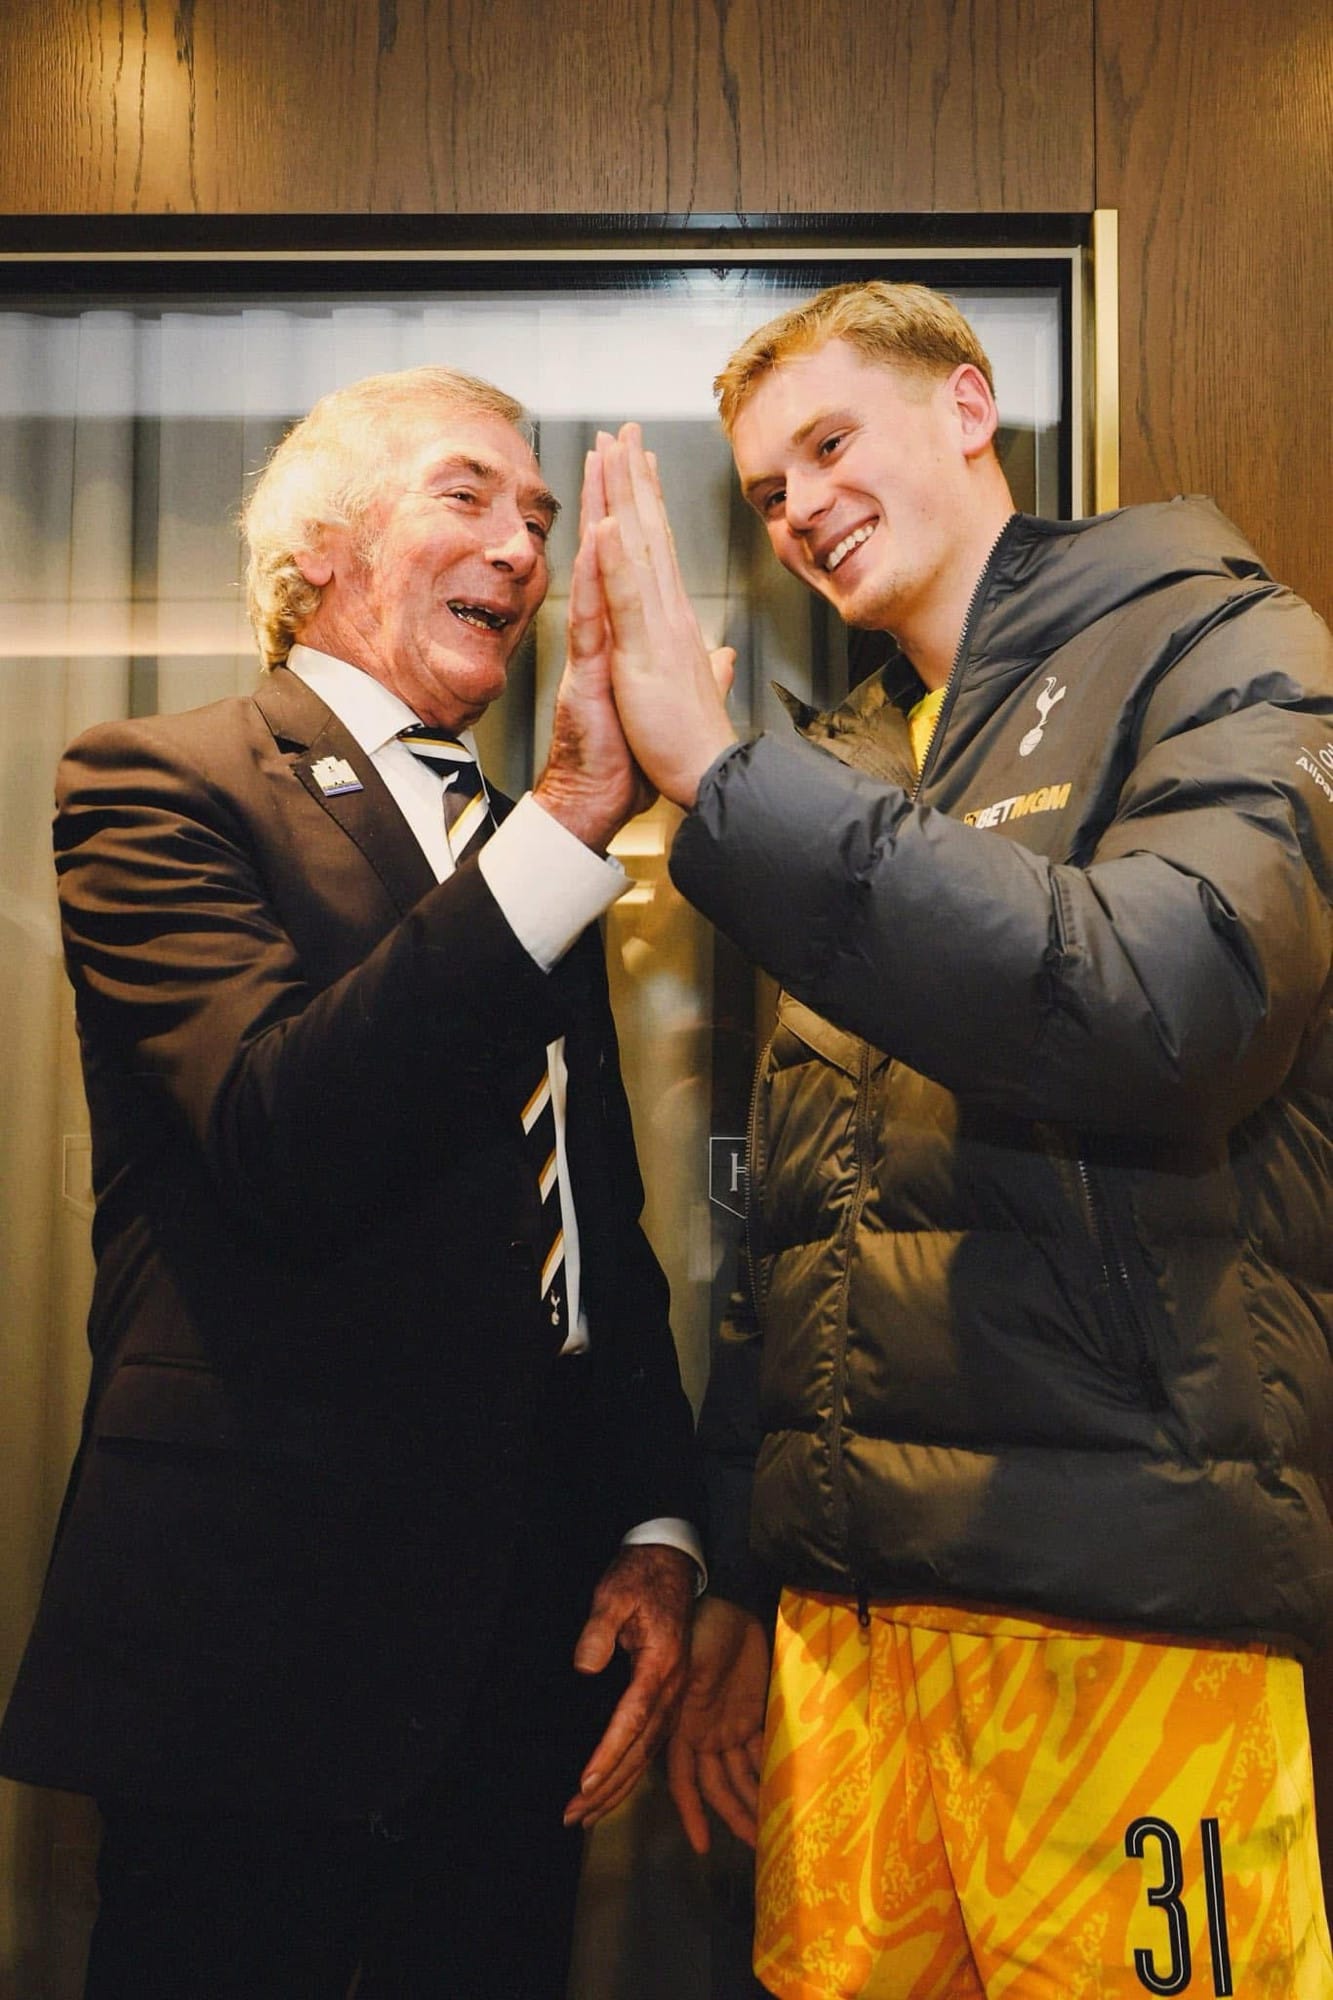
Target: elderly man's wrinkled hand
591 782
643 1605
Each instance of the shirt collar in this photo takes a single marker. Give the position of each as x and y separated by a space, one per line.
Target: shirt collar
371 713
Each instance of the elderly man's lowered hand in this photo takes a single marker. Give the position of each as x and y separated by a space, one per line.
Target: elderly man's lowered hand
643 1605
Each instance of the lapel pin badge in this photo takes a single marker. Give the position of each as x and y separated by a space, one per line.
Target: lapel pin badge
334 775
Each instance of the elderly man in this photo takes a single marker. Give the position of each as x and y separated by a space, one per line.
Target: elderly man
386 1453
1042 1158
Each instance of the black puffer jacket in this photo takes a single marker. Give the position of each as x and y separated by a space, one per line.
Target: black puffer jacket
1043 1149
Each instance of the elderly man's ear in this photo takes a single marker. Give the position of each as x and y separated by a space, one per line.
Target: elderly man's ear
315 565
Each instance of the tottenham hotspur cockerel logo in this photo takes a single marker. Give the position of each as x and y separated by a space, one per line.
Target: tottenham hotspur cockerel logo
1046 701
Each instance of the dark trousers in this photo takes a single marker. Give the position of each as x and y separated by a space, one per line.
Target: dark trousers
466 1892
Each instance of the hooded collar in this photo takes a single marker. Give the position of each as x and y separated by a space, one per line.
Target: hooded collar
1046 581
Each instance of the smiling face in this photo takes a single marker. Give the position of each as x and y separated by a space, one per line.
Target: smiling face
878 487
436 587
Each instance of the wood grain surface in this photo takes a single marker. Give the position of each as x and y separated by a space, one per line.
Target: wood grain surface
528 106
1215 143
1210 130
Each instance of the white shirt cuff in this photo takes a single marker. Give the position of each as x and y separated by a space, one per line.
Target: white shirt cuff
549 886
674 1534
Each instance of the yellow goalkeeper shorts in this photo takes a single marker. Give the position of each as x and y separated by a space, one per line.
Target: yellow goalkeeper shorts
958 1804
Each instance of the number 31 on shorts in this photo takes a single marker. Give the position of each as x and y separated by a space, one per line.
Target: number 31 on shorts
1144 1834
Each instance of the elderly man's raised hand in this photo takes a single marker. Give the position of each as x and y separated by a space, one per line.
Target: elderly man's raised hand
591 782
669 690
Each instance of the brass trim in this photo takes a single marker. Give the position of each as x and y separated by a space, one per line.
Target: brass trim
1103 405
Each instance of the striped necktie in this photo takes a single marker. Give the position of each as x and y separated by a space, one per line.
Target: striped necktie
467 810
468 825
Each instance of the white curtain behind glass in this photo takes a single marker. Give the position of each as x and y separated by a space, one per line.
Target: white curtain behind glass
126 439
125 443
65 552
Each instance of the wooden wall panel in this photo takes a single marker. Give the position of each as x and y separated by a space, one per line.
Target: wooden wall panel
1217 149
1215 143
1213 134
256 106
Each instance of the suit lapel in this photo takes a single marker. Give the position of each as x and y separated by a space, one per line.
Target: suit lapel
344 783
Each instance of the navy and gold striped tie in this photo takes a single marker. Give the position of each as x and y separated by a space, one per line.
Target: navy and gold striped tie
468 825
467 810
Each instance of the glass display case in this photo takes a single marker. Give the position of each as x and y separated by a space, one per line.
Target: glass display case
139 393
137 397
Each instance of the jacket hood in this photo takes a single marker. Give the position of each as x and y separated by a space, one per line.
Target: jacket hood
1081 570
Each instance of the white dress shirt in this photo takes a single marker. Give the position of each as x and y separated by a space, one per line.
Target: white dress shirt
549 887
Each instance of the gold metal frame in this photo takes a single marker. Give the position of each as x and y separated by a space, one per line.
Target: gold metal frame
1103 405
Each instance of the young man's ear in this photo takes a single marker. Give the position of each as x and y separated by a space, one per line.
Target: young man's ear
978 418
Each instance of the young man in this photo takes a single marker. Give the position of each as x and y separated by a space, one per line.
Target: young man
1041 1165
386 1452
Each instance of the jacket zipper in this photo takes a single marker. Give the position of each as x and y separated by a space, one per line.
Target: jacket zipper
978 592
858 1203
859 1587
860 1590
1126 1320
752 1181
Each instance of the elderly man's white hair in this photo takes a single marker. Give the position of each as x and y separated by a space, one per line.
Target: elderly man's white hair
326 472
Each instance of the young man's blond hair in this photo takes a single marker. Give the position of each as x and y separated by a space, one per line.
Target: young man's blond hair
908 327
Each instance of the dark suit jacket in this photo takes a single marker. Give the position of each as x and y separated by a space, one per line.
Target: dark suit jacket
317 1349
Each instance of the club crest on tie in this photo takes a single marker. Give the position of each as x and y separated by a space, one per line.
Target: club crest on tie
334 775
